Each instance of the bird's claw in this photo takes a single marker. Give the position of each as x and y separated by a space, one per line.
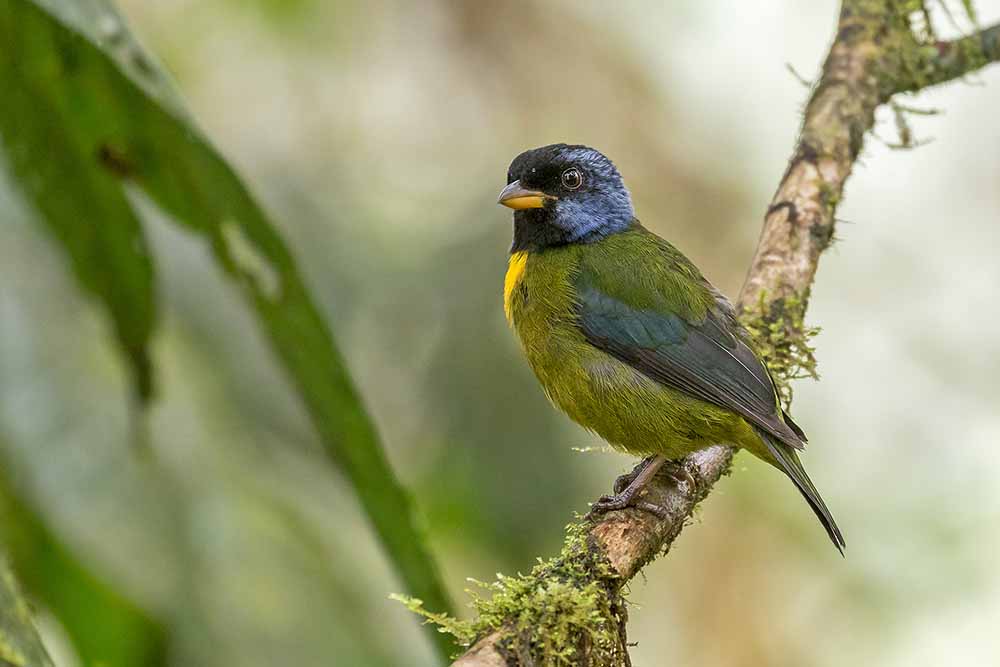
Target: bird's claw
622 482
629 487
678 472
675 470
620 501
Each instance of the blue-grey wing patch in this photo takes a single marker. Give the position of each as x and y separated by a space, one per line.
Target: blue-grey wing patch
704 359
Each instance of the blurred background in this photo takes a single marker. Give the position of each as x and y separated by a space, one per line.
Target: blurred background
378 134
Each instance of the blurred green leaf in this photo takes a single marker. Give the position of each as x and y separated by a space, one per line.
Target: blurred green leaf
88 123
105 628
82 206
20 645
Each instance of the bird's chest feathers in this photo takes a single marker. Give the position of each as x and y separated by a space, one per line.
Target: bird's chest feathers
538 297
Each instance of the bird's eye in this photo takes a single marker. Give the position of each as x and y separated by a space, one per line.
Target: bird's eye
572 178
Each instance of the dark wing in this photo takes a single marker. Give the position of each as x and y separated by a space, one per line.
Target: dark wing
706 358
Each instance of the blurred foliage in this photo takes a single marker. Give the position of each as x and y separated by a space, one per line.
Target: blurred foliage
19 642
68 99
105 628
49 112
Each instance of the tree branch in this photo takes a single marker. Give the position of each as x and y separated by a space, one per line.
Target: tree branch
874 55
947 61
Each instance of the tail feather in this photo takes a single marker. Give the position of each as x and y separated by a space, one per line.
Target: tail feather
787 418
788 461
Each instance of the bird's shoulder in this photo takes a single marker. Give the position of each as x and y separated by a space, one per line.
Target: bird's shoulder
647 274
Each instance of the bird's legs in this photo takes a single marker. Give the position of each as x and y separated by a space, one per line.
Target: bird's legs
627 489
628 486
622 482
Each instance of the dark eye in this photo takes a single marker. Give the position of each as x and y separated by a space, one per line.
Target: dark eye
572 178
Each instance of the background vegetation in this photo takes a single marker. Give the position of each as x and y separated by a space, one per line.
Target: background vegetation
377 135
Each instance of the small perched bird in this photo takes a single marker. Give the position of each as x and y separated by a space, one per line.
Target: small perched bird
624 333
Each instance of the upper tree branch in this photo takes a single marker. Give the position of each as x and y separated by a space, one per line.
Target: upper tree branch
947 61
873 56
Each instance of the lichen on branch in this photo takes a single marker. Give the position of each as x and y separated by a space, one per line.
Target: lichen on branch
782 340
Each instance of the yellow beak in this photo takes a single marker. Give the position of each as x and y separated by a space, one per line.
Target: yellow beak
515 197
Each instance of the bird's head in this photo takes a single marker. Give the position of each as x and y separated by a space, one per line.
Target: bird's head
564 194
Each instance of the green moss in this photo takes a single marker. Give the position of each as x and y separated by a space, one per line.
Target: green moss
912 50
972 54
829 196
567 611
782 340
822 231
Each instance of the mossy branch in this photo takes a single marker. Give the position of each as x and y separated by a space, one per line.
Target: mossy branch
555 615
946 61
569 609
782 340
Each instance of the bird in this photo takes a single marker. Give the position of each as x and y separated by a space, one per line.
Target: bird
625 334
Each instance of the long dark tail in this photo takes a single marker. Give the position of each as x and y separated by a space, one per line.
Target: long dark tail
788 461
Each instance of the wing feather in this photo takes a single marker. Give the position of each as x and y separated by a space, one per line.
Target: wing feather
708 359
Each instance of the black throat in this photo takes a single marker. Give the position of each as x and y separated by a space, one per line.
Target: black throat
532 231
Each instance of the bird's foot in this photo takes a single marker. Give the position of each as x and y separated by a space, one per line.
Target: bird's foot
622 482
678 472
627 490
628 487
619 501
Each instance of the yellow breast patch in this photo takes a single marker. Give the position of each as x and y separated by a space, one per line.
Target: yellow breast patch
515 274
